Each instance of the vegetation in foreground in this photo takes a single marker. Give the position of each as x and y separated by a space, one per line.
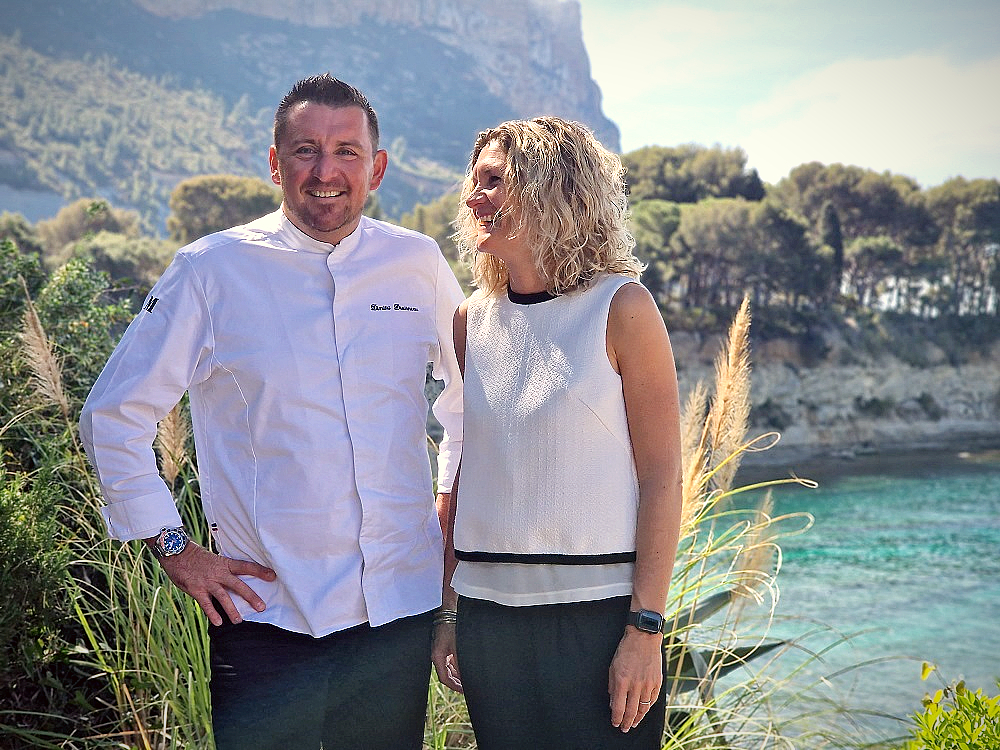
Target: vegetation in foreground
99 650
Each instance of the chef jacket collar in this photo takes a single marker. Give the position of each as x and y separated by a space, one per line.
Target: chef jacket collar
295 238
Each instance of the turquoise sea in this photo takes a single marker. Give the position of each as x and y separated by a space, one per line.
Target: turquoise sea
904 557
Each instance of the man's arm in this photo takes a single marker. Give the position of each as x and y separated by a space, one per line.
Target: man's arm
162 352
166 348
447 407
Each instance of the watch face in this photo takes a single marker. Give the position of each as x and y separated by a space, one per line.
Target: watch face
648 621
173 541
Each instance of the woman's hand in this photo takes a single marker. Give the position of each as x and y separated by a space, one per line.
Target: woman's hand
635 677
443 654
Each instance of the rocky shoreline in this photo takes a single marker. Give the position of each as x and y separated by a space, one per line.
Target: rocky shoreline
857 407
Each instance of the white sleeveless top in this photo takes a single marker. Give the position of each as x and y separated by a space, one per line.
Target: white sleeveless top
549 494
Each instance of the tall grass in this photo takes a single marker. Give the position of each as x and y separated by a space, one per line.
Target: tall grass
144 643
728 561
143 635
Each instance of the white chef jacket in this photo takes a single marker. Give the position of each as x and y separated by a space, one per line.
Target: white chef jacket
305 364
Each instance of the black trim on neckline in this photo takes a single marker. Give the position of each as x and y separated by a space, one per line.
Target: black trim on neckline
528 299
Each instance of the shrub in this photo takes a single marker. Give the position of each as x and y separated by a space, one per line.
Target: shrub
17 229
955 718
931 407
134 263
82 218
32 573
874 407
208 203
15 266
771 416
46 369
82 326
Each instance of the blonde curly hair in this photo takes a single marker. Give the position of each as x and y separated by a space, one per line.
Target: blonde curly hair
569 194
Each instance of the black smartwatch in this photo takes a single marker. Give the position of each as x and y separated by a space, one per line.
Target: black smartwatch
170 541
646 620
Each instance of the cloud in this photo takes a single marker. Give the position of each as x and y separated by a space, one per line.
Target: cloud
902 85
641 49
924 116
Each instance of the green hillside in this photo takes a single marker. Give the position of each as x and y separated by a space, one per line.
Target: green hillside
85 128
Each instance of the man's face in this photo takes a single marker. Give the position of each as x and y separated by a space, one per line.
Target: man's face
326 166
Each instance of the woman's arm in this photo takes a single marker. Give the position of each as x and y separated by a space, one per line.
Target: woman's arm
639 349
443 652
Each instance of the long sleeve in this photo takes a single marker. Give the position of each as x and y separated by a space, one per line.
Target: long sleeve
447 407
165 348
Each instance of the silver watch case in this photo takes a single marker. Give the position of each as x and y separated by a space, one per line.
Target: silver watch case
170 541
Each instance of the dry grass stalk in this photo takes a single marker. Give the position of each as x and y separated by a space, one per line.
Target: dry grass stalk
693 420
46 369
729 414
693 454
171 442
754 565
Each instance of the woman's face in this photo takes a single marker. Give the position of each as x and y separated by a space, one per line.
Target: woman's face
496 220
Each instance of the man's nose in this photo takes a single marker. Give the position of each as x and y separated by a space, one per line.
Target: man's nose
325 167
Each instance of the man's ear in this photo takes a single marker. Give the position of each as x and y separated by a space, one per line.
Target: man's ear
272 158
378 172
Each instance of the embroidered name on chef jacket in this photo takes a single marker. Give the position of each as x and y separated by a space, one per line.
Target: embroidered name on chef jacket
396 306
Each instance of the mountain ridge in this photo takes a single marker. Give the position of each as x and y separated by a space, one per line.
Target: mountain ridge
422 65
530 38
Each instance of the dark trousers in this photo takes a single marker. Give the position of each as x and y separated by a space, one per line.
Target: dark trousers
537 677
359 689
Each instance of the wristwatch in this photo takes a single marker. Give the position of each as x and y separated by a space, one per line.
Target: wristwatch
646 620
171 541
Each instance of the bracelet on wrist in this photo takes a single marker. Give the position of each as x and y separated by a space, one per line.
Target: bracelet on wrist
445 616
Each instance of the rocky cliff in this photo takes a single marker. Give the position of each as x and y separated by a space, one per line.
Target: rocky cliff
528 53
851 404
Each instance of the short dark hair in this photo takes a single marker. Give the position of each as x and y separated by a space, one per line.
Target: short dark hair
324 89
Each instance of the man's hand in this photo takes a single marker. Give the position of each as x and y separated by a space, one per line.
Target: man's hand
205 576
635 677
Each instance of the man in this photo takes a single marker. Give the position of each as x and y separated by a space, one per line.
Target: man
303 340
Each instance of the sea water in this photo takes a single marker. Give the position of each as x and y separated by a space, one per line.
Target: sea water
903 563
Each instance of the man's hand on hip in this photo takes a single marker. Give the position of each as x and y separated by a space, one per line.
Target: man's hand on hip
206 576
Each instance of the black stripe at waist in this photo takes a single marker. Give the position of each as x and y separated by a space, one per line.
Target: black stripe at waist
546 558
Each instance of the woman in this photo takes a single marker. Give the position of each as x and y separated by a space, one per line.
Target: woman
562 536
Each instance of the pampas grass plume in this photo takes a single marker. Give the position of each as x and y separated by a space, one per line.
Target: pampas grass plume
729 414
171 442
46 369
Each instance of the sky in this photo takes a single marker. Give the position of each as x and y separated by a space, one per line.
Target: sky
912 87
